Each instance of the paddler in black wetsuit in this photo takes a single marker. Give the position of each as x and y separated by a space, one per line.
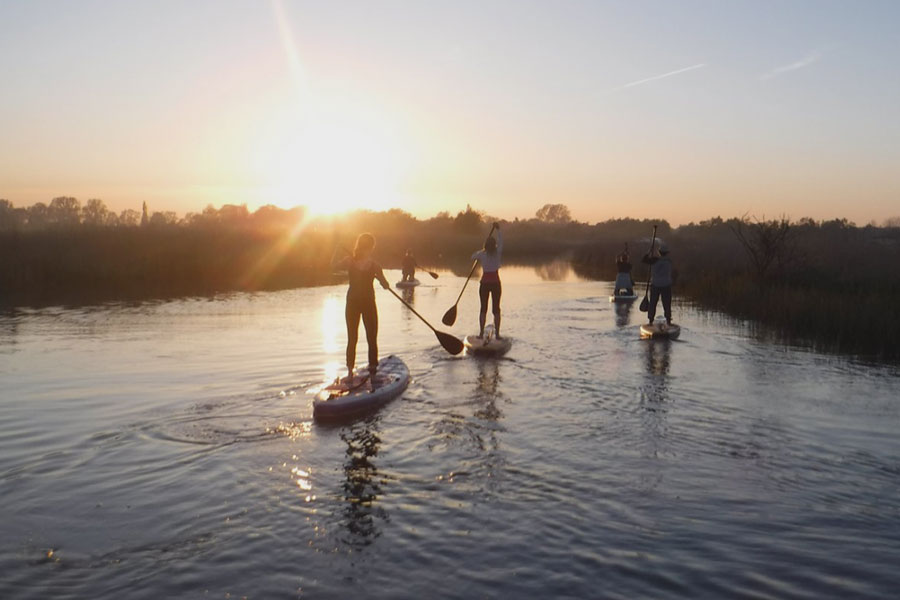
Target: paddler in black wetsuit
363 270
409 266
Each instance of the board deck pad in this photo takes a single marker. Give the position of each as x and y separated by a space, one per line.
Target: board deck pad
360 393
660 330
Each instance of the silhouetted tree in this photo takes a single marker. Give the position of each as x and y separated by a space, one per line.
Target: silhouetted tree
145 218
129 218
160 219
7 215
469 221
95 213
64 212
767 244
554 213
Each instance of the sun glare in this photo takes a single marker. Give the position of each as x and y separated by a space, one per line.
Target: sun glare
331 163
330 150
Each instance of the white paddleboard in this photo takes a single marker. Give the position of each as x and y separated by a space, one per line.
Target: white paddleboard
660 330
623 298
353 396
407 284
488 345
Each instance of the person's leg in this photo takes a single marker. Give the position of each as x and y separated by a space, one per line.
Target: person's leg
351 315
483 291
370 322
667 303
654 298
496 290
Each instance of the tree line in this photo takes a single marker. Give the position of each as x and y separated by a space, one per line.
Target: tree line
829 283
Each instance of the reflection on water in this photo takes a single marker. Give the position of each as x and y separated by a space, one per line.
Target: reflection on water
487 390
362 486
9 327
558 270
623 312
655 405
659 355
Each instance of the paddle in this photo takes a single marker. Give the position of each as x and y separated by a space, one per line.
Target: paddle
450 316
645 303
432 273
451 344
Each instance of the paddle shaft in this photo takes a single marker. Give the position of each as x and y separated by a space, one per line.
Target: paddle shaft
407 304
474 266
649 267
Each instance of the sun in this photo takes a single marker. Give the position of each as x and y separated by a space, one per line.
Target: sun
333 161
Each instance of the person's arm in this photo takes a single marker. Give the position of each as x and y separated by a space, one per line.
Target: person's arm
379 275
649 259
476 255
342 263
499 240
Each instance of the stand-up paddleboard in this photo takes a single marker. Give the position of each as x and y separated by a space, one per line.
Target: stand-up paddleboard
348 397
407 284
487 345
623 298
660 330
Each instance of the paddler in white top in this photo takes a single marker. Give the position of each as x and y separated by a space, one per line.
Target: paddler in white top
490 258
661 277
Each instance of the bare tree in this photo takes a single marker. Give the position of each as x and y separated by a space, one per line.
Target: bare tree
769 244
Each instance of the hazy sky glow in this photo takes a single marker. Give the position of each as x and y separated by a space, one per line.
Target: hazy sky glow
679 110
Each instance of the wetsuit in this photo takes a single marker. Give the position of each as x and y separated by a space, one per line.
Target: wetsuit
361 303
409 268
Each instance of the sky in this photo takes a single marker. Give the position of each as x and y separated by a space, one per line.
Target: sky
647 109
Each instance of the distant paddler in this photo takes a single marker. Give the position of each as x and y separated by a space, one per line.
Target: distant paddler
490 257
624 281
408 265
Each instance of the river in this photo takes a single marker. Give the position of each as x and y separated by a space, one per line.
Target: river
166 450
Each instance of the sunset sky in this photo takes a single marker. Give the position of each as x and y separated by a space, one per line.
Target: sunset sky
677 110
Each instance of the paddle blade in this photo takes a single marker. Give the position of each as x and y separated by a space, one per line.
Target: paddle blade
645 304
451 344
449 316
433 274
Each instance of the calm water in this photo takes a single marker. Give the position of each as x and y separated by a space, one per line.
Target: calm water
166 450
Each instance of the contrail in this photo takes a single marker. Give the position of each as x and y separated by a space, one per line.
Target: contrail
803 62
663 76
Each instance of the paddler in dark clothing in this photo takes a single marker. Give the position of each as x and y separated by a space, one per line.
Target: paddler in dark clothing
363 271
661 276
624 282
409 265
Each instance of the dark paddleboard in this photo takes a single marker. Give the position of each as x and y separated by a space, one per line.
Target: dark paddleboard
359 394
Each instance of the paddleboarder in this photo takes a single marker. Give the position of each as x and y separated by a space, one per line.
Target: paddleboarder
490 257
661 276
624 282
363 271
408 265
